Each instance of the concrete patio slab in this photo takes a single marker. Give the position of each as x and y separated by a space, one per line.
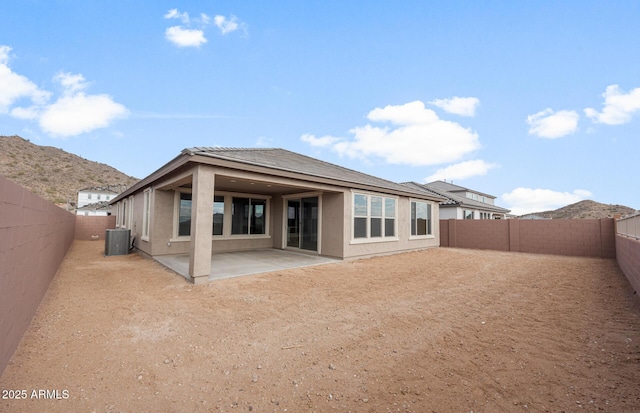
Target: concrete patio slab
238 263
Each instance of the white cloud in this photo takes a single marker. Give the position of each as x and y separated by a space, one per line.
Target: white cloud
182 37
263 142
73 113
226 25
552 125
4 54
526 200
205 19
418 137
462 170
14 87
31 112
186 36
412 113
322 142
619 107
175 14
76 112
70 82
458 106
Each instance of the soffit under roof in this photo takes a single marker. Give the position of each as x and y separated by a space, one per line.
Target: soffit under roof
287 161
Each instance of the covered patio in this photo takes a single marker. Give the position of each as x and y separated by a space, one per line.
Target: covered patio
210 201
239 263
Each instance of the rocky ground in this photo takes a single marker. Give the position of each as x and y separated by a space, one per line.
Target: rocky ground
438 330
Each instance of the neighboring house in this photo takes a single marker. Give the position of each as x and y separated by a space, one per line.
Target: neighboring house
89 197
461 202
97 209
209 200
533 216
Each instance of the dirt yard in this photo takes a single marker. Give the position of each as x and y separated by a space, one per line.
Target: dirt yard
443 330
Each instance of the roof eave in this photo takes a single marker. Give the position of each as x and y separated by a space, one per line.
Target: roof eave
311 177
160 172
193 155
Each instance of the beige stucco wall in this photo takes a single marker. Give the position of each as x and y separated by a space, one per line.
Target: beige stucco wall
333 222
336 228
162 241
138 207
277 216
159 232
355 249
136 220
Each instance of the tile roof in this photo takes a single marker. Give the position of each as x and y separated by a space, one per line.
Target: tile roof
423 188
95 205
454 198
284 160
113 189
443 186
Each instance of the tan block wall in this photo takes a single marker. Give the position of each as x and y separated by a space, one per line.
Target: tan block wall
572 237
35 236
628 256
483 234
87 227
444 233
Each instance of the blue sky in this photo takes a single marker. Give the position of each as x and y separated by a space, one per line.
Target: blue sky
537 103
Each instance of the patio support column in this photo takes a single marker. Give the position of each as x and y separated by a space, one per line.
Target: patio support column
201 224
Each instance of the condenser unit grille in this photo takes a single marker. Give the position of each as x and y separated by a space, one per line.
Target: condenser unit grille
116 242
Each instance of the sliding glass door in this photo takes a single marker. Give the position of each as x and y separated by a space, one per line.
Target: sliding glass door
293 223
302 223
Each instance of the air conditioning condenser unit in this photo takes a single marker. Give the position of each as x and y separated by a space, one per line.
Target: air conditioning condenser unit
116 242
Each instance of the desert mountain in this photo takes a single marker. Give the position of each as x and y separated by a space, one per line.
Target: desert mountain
587 209
52 173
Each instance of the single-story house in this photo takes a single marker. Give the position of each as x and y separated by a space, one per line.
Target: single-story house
209 200
461 202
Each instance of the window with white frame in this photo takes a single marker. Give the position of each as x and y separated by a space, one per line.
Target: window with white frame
373 216
467 214
146 213
389 217
421 219
360 214
129 222
123 221
375 221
